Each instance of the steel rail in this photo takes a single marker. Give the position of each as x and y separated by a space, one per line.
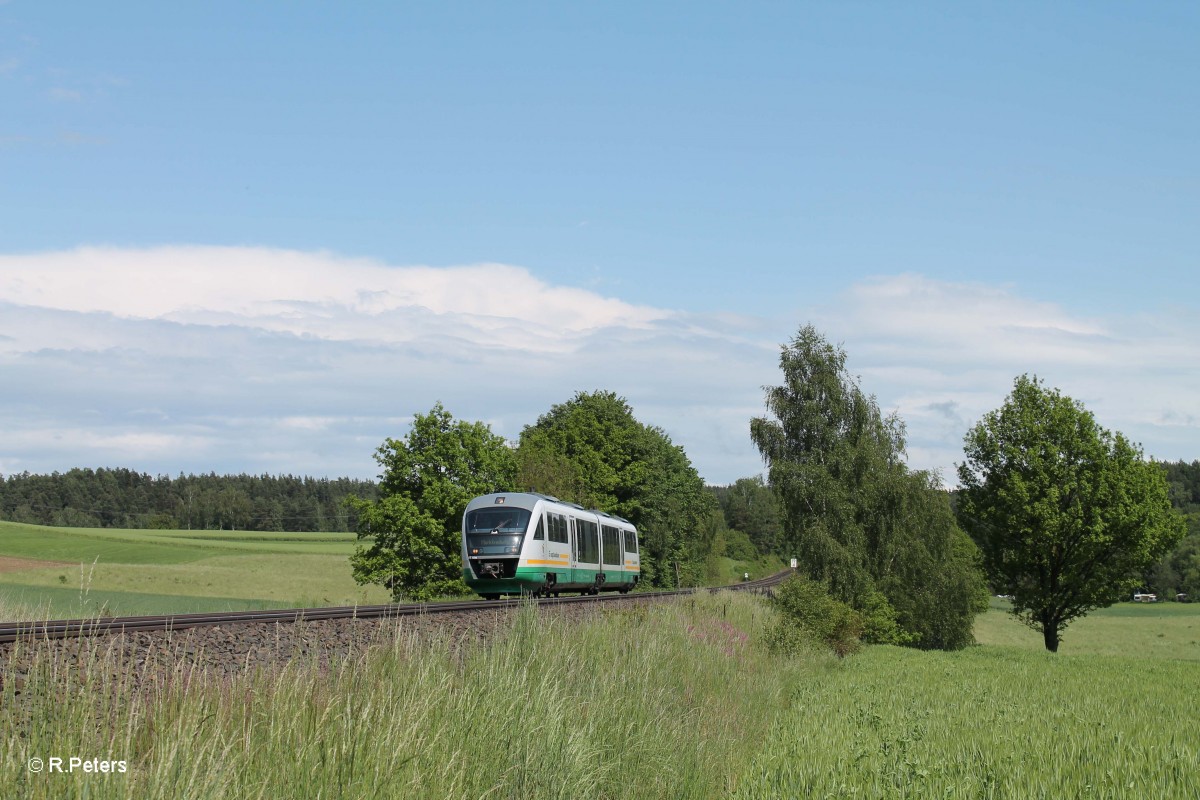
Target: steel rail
100 626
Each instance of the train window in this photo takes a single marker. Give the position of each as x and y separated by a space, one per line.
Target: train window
612 546
496 531
556 530
497 520
630 542
589 548
538 534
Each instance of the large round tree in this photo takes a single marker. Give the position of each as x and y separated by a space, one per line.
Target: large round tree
593 451
1068 515
412 533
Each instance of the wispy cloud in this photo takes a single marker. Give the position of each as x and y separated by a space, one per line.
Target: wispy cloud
235 358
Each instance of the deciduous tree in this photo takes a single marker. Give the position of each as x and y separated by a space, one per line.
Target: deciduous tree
591 450
412 531
858 520
1068 514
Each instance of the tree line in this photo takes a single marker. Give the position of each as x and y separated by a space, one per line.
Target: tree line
124 498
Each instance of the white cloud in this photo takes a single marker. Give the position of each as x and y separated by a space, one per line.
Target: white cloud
943 354
316 294
260 353
254 359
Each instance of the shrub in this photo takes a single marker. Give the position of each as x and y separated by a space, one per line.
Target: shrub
807 605
880 625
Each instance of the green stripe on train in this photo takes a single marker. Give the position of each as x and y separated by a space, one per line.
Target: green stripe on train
535 578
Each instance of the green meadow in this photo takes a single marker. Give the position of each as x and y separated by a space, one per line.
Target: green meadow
68 572
1127 630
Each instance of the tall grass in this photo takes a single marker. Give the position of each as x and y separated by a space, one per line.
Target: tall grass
671 701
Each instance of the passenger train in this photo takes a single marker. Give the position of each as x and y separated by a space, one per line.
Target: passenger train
527 543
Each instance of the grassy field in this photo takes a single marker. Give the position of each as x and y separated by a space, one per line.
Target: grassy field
68 572
1112 715
674 701
677 701
1139 630
987 722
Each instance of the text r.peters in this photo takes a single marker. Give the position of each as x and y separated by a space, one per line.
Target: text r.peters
74 764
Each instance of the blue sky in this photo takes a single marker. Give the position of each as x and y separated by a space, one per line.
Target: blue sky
258 237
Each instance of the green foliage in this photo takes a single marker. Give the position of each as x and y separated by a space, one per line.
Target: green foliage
925 565
428 479
1179 570
750 506
1067 514
880 621
807 605
857 519
1184 571
593 451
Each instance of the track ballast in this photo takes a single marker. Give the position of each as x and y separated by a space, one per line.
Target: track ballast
102 626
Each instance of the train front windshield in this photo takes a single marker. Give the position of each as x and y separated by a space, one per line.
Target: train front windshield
496 531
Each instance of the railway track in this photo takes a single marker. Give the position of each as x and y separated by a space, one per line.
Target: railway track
102 626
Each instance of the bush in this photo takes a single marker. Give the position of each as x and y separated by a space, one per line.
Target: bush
880 625
807 605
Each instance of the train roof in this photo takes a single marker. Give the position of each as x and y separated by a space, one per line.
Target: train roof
528 497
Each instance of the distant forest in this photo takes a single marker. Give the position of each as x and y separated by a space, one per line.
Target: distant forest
1179 571
123 498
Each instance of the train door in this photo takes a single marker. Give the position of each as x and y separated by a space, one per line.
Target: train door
535 547
574 534
632 559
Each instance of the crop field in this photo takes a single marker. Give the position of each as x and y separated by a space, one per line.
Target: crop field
70 572
1112 715
987 722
